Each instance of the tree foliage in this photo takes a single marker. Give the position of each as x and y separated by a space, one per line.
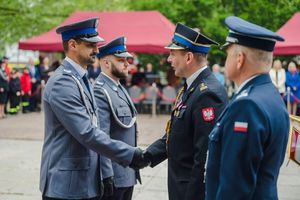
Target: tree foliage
209 15
26 18
20 19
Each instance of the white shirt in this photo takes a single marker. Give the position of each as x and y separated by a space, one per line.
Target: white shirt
245 82
81 71
191 79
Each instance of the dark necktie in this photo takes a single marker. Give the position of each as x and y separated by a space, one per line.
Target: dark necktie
276 77
86 82
184 89
128 100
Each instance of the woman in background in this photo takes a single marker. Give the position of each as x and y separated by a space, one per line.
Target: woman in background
278 76
293 82
3 89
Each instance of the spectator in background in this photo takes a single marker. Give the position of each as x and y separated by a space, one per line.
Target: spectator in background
7 69
230 86
162 71
44 68
26 90
173 80
293 82
278 76
150 74
3 89
218 74
35 77
93 71
14 93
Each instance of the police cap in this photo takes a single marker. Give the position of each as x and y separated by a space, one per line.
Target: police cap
251 35
85 30
190 39
116 47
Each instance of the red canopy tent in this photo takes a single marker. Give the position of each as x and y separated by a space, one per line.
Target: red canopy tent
146 31
291 32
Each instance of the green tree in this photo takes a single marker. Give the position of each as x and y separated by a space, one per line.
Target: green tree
20 19
209 15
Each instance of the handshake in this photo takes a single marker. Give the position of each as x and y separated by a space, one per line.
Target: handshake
140 159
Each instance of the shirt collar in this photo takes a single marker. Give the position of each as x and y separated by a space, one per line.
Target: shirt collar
191 79
80 70
245 82
115 82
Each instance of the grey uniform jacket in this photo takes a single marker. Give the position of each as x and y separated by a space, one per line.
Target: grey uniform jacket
124 110
70 165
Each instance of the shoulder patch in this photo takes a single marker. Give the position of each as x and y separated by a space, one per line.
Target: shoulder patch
66 71
100 83
202 87
244 93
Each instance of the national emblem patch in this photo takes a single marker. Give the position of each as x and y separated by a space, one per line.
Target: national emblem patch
208 114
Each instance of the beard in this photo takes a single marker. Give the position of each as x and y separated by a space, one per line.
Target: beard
118 73
87 60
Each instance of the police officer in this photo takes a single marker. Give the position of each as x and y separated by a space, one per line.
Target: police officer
117 116
70 165
197 107
247 145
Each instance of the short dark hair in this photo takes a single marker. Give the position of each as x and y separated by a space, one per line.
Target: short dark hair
66 46
199 57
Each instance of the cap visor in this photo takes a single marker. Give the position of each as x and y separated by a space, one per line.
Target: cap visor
124 55
225 46
93 39
173 46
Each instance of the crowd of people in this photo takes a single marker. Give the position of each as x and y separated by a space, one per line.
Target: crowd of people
21 88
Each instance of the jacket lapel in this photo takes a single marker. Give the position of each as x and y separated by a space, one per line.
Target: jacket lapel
68 66
113 86
129 99
121 93
195 84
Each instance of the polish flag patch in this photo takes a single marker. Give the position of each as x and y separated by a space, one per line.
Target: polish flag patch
241 126
208 114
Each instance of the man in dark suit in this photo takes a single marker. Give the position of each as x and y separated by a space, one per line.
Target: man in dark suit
247 145
196 109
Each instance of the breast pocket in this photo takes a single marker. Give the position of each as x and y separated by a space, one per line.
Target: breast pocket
178 121
124 114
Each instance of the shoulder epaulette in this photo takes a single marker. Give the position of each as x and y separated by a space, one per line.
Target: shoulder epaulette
66 71
203 86
244 93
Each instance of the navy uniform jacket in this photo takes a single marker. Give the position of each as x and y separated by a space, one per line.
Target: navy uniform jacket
125 111
188 137
247 145
70 165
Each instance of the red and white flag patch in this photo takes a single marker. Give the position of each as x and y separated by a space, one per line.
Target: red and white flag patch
241 126
208 114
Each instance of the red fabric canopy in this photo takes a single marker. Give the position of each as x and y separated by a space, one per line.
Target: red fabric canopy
146 31
291 32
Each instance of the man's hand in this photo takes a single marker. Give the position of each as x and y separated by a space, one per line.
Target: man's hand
108 186
139 161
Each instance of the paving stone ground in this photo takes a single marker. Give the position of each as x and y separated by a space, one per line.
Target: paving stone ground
20 152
